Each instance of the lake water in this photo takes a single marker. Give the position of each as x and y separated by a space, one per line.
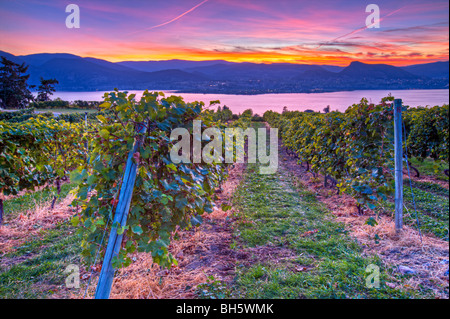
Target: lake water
293 101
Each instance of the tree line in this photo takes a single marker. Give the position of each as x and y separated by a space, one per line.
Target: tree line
15 92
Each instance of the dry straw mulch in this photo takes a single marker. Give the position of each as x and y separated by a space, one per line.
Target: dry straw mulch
427 255
201 252
17 230
205 251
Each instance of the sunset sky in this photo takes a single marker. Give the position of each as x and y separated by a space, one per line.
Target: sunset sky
295 31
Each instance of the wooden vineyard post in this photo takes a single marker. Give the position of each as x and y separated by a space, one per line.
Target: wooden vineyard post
398 145
123 206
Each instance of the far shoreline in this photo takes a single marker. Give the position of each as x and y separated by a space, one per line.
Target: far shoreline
338 100
243 94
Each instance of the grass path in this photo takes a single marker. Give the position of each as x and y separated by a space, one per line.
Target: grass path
37 244
303 251
282 242
431 203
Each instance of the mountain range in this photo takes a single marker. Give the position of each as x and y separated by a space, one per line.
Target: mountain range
76 73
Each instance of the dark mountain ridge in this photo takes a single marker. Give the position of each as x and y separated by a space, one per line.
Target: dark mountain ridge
76 73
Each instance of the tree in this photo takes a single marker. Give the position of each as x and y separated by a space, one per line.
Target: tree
46 88
14 92
247 113
226 114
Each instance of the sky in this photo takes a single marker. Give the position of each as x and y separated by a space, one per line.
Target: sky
261 31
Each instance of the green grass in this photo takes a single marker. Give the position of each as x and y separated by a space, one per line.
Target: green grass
431 199
428 187
21 204
35 269
274 213
432 204
428 166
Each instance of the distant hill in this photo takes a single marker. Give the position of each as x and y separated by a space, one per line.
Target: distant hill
253 71
436 70
108 64
319 74
41 58
361 70
76 73
11 57
332 68
152 66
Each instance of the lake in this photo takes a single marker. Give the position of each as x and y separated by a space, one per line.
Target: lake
293 101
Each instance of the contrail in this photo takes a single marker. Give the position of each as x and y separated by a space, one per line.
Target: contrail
174 19
360 29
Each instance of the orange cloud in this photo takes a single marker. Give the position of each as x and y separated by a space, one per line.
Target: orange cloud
233 30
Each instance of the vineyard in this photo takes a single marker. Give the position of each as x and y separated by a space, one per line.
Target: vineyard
354 150
293 234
